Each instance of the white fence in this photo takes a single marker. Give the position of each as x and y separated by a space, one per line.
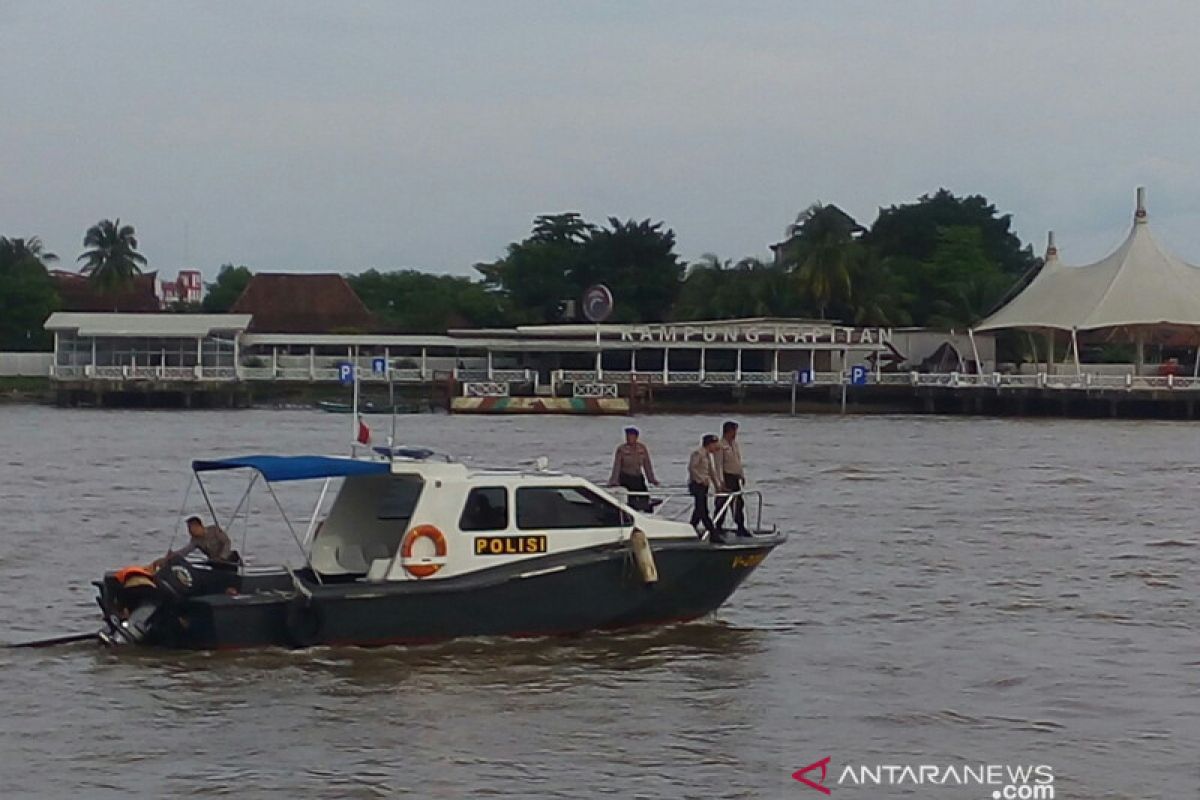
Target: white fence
946 380
25 365
594 390
589 383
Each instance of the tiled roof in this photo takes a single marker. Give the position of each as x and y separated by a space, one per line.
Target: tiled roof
303 303
77 293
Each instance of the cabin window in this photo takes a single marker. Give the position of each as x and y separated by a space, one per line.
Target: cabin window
486 509
554 507
400 498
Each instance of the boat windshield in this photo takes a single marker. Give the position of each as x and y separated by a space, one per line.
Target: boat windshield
365 524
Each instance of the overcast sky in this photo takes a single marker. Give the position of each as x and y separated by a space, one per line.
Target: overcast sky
341 136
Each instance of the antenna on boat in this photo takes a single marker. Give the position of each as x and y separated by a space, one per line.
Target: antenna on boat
391 402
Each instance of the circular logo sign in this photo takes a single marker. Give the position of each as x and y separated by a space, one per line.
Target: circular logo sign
183 576
597 303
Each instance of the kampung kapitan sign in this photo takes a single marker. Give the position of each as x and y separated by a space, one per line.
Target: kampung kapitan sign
757 334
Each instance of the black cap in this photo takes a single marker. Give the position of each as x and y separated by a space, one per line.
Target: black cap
709 438
633 430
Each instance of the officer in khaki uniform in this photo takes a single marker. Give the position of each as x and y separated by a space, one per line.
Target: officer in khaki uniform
732 474
702 474
631 468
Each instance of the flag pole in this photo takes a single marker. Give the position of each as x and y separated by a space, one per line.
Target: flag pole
354 420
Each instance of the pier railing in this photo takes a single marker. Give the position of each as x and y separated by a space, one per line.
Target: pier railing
324 372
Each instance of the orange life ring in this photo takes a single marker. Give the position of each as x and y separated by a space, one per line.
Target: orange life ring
421 569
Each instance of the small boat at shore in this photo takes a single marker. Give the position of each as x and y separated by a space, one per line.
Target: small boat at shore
366 407
418 548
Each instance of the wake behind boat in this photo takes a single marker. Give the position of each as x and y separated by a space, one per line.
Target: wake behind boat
418 548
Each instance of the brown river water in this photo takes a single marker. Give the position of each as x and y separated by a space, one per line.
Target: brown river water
955 591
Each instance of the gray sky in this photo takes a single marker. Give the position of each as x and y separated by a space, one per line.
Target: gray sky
339 135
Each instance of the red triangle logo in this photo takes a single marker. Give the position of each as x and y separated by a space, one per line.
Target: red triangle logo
819 784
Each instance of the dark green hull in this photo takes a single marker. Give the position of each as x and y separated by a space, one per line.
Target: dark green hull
595 589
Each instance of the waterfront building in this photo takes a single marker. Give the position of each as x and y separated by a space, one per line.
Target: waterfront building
234 347
187 288
1140 295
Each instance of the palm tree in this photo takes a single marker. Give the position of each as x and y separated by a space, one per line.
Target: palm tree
879 295
823 247
112 262
27 294
16 250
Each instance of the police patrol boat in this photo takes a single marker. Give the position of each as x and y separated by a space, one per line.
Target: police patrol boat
417 548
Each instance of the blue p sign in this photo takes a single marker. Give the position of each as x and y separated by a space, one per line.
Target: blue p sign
804 377
858 375
379 366
345 373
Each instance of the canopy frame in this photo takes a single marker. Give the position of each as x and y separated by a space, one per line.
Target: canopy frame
276 469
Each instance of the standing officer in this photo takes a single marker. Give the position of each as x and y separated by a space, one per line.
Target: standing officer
733 475
631 468
701 475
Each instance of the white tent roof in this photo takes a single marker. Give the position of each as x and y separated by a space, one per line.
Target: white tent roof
1139 284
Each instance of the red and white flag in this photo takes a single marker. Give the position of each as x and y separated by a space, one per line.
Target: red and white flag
364 433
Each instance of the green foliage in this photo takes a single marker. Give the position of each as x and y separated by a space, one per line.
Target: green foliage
565 254
417 302
943 261
27 294
957 284
716 289
824 254
535 276
914 230
637 261
223 293
880 295
111 260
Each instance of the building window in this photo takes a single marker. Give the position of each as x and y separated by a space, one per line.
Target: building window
486 509
557 507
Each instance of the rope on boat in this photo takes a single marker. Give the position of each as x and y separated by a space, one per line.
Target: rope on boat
57 640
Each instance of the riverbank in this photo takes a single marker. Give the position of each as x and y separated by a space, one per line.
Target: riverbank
25 390
1080 402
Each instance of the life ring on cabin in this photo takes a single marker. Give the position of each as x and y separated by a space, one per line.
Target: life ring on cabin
421 568
304 622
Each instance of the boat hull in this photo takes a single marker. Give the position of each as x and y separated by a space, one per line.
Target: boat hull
595 589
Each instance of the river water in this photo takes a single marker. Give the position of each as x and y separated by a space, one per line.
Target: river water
955 591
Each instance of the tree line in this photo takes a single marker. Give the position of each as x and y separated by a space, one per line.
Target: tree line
941 261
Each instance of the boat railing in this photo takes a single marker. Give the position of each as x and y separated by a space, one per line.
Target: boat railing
676 503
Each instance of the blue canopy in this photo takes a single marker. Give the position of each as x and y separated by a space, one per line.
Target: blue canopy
296 468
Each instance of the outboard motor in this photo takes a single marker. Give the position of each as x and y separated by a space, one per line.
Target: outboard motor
129 597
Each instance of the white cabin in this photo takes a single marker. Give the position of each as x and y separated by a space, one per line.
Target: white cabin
484 517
